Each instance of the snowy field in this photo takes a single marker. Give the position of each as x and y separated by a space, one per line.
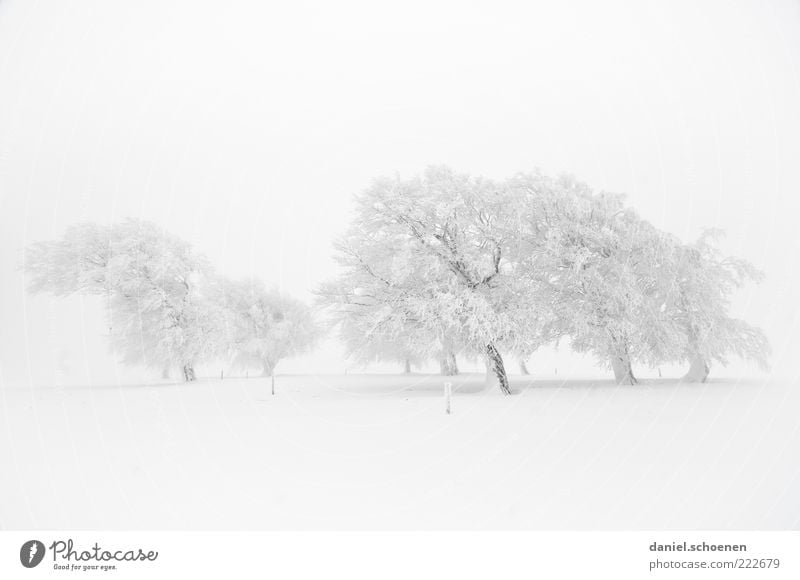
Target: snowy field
378 451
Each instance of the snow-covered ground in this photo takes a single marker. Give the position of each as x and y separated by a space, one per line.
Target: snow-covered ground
378 451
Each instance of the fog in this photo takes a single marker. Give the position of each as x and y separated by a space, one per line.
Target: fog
246 129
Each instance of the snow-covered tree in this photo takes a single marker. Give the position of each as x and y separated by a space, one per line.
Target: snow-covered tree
597 268
263 327
153 284
432 257
78 262
705 280
160 313
628 292
375 308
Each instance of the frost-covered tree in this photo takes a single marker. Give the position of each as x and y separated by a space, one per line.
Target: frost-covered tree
78 262
705 280
445 262
153 284
598 270
377 309
263 326
161 314
628 292
433 257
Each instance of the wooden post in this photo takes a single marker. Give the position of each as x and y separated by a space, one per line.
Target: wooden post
448 392
272 379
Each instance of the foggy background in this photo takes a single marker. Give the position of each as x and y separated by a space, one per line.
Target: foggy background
246 128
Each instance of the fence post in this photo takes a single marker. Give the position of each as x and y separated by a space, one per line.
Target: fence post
448 392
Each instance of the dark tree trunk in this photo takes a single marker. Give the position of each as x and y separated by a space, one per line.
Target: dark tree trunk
407 367
523 368
188 372
495 366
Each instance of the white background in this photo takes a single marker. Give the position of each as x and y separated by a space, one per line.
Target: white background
246 128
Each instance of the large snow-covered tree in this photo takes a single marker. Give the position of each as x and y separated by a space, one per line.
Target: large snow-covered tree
599 273
434 254
153 284
263 326
627 292
161 314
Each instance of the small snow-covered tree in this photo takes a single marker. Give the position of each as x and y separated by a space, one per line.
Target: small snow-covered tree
263 327
153 283
705 280
375 307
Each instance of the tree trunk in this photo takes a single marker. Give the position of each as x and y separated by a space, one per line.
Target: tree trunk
165 373
623 373
448 364
407 367
188 372
698 370
453 363
268 368
523 368
496 370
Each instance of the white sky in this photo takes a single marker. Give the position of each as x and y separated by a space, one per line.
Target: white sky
246 128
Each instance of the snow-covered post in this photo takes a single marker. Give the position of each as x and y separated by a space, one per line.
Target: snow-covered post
448 392
272 380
